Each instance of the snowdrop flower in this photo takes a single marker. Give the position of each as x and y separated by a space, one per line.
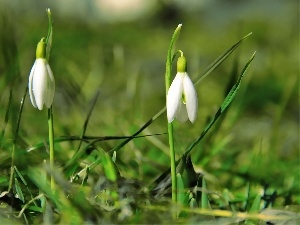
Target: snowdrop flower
182 101
41 83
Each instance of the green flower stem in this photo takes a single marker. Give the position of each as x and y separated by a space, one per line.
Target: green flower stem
171 145
51 146
173 163
170 125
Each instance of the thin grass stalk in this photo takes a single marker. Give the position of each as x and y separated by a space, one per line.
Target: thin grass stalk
12 169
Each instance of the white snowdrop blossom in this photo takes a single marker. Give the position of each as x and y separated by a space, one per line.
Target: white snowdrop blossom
182 100
41 83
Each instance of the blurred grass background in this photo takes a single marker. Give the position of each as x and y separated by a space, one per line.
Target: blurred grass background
120 49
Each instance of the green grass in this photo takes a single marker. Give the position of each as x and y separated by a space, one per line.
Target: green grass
238 164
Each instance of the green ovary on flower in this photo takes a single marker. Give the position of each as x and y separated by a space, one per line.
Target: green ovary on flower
41 49
181 64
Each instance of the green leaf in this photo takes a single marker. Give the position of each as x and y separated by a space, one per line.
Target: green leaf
204 196
256 204
230 96
180 189
19 190
108 166
20 175
37 178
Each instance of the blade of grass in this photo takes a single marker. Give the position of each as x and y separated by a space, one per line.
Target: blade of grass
204 196
19 190
20 176
108 166
255 207
219 60
37 178
85 139
180 190
15 140
92 105
23 181
223 106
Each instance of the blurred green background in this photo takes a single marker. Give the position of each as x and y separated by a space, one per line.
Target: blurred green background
120 48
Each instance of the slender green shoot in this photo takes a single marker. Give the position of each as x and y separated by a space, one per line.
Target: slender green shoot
229 98
170 125
93 103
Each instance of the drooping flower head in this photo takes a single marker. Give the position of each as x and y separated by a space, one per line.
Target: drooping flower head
41 83
182 101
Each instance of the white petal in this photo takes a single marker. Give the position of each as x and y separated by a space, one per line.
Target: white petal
30 86
50 87
39 83
190 97
181 114
174 96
